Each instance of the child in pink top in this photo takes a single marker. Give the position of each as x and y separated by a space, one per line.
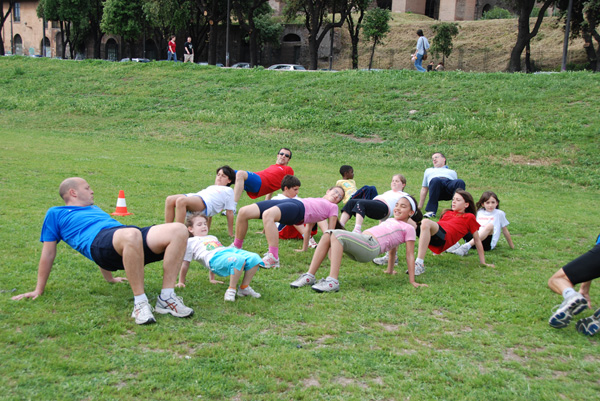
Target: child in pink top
366 246
288 212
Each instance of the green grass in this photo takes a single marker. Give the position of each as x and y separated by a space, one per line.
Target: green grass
158 129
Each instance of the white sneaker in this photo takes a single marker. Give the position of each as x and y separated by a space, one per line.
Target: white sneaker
247 292
462 251
270 261
384 260
419 269
429 215
453 248
312 243
305 279
142 313
230 295
571 306
174 305
326 285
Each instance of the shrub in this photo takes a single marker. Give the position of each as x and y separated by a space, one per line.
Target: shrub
536 11
497 13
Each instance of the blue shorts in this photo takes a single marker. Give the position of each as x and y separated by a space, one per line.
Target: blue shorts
226 261
104 253
252 183
292 210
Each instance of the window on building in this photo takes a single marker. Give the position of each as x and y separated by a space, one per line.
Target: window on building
112 50
18 45
17 12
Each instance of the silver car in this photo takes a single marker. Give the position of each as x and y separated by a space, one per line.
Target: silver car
287 67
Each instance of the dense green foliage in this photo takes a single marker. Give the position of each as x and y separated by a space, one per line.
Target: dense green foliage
162 128
497 13
442 41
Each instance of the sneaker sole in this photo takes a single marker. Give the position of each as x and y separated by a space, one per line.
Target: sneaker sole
562 319
589 325
247 295
149 321
322 291
172 312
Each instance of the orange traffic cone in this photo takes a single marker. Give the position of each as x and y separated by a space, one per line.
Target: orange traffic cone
121 205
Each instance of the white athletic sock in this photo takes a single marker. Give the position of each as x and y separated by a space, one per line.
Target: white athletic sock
166 293
568 292
467 246
311 275
419 260
357 229
140 298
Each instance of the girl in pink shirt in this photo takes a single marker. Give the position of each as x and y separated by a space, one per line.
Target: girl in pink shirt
366 246
288 212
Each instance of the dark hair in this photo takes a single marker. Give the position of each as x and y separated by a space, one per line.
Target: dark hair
287 150
290 181
417 215
228 171
420 32
468 198
441 154
485 197
345 169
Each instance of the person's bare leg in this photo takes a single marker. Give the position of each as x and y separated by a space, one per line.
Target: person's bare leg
234 278
335 256
172 240
320 253
428 228
484 232
270 217
128 243
344 218
249 274
170 207
240 178
191 203
241 225
559 282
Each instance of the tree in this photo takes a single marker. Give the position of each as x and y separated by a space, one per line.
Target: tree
315 13
254 17
376 28
215 11
124 18
360 7
164 18
442 41
585 18
524 35
3 18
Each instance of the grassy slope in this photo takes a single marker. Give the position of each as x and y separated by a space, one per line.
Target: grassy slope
160 128
479 46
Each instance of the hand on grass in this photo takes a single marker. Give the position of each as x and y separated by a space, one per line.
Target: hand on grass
180 285
489 264
417 285
213 281
390 272
299 250
32 295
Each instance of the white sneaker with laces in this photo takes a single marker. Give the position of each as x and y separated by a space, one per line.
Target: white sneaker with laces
326 285
230 295
270 261
312 243
305 279
453 248
571 306
384 260
429 215
419 269
174 305
142 313
247 292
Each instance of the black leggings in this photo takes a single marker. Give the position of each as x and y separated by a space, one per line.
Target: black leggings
584 268
373 209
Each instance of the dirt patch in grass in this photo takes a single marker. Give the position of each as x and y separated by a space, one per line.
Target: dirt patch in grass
370 139
346 381
522 160
311 382
510 355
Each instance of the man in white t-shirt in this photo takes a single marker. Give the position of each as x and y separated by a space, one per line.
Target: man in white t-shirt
440 182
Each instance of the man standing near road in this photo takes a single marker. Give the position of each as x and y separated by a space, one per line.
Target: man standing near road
113 246
440 182
188 48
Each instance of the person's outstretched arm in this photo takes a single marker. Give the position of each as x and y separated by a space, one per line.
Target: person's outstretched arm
508 238
110 278
44 268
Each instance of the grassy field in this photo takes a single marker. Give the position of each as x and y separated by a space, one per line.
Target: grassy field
162 128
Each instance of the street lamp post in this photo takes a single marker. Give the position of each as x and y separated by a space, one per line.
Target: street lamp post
227 34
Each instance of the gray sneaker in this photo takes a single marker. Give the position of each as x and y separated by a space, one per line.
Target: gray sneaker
461 251
589 325
248 292
174 305
142 313
571 306
326 285
384 260
305 279
419 269
453 248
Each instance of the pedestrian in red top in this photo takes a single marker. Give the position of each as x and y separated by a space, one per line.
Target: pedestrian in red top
171 51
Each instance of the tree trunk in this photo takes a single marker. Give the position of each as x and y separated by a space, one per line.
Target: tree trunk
355 52
253 48
372 54
522 39
212 44
528 58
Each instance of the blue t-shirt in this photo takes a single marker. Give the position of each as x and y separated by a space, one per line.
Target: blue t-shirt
78 226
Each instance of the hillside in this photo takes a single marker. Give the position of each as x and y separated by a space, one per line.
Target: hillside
483 45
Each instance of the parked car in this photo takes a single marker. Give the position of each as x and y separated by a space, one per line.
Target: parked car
241 65
287 67
135 60
205 63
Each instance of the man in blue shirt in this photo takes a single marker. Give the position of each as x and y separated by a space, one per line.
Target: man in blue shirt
113 246
440 182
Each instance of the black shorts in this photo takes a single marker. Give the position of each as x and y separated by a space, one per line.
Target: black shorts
292 211
584 268
439 238
487 242
104 253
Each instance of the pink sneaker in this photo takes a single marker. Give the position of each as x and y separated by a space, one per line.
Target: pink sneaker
270 261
